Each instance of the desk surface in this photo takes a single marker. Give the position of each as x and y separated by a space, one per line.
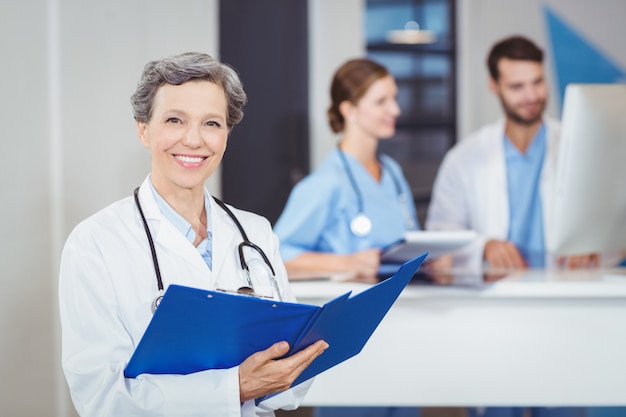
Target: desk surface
609 283
534 338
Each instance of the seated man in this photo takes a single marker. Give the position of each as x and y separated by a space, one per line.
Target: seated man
498 181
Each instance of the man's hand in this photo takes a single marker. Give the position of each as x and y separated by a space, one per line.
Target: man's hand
503 254
438 269
590 260
262 373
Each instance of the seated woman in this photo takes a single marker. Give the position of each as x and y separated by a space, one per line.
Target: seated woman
340 216
358 201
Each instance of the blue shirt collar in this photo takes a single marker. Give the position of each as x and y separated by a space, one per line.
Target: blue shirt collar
177 220
535 150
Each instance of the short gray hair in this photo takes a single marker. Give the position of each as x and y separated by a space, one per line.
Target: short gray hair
179 69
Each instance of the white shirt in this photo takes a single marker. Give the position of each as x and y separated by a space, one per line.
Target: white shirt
106 286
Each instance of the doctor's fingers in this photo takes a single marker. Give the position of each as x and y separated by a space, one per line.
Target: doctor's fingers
274 375
260 359
365 263
257 374
275 351
269 358
495 254
298 362
303 358
582 261
513 256
503 254
367 256
442 263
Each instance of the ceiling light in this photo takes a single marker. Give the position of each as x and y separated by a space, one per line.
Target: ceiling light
411 34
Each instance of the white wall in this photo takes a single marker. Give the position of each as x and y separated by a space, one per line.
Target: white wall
337 33
26 313
70 148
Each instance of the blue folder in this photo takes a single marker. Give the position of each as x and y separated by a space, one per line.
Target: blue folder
195 330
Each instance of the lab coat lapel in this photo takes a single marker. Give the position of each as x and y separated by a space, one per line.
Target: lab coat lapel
226 239
172 239
165 234
497 189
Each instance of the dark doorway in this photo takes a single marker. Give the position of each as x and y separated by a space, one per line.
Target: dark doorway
267 43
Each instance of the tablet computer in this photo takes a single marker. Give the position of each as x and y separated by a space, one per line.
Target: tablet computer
435 242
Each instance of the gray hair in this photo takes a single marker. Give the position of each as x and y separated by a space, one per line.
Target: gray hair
179 69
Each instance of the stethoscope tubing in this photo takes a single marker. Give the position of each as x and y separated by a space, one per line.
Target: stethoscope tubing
155 261
355 187
245 243
359 195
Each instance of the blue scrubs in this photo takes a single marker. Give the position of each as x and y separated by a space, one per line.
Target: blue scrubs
523 172
317 218
320 208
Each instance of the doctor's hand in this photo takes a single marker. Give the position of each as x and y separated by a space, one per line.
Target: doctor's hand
503 254
263 373
591 260
439 269
364 264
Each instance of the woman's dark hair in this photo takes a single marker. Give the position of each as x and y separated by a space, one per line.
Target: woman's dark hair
351 82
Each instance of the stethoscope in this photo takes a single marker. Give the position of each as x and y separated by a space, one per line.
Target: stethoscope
246 243
361 225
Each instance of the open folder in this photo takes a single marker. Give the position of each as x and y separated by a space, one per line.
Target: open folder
195 330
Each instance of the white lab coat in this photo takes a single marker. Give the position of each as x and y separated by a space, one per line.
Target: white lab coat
470 191
107 284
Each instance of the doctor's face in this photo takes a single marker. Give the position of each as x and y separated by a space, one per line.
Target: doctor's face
376 112
521 89
186 135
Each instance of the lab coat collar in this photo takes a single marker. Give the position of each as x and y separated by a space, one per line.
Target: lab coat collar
165 234
499 224
226 238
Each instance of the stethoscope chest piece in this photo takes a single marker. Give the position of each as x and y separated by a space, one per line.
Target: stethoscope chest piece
361 225
246 290
157 301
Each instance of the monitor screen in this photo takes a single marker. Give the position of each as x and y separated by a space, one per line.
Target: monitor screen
589 209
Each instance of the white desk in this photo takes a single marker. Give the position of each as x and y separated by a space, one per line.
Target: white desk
531 339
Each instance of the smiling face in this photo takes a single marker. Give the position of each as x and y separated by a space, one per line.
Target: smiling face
375 114
522 90
186 135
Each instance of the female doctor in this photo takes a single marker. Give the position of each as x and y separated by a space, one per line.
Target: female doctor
339 217
174 230
357 201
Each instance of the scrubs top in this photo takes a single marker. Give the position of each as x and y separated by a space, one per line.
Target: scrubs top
320 208
523 172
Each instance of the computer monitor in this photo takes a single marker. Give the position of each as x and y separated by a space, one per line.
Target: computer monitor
589 208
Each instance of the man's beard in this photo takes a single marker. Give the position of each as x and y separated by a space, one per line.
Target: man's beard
517 118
